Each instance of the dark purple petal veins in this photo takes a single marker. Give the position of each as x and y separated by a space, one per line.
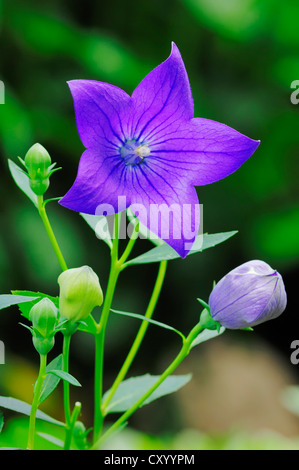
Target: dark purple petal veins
101 181
162 98
168 208
148 149
99 109
204 151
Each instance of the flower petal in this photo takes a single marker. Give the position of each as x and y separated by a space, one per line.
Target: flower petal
202 150
99 108
167 208
162 98
100 185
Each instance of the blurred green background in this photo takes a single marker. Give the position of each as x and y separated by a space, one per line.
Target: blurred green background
241 57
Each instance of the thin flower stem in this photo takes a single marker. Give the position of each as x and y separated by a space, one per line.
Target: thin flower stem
101 329
66 385
35 401
66 344
140 335
175 363
129 246
70 431
43 214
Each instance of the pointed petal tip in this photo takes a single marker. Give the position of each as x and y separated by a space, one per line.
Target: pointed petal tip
175 50
255 145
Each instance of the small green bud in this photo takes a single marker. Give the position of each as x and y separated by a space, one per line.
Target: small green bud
43 316
43 345
37 162
80 293
80 435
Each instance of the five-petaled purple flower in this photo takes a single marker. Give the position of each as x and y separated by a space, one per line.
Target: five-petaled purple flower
248 295
149 151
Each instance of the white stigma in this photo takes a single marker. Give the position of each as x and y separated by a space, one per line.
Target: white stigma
142 151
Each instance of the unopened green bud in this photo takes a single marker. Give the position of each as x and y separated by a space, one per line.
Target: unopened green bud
80 293
37 162
43 316
80 435
43 345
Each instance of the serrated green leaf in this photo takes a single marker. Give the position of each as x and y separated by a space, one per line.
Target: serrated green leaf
22 181
131 390
22 407
165 252
7 300
99 223
51 381
149 320
65 376
206 335
25 307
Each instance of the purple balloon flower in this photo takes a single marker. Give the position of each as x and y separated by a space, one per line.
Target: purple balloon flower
248 295
147 151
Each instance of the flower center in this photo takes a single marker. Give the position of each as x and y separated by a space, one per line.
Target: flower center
133 152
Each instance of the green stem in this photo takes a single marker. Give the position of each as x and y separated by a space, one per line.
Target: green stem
66 385
140 335
66 343
70 431
35 401
47 225
101 330
175 363
129 246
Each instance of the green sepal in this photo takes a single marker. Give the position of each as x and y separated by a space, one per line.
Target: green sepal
53 171
206 319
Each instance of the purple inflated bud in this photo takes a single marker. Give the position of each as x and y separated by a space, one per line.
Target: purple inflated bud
248 295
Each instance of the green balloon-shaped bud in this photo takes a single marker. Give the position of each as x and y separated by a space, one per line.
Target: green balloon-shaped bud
80 293
43 316
38 162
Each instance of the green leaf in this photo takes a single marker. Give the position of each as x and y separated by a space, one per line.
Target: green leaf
52 439
22 181
131 390
206 335
21 407
99 223
65 376
1 422
51 381
165 252
35 297
7 300
154 322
